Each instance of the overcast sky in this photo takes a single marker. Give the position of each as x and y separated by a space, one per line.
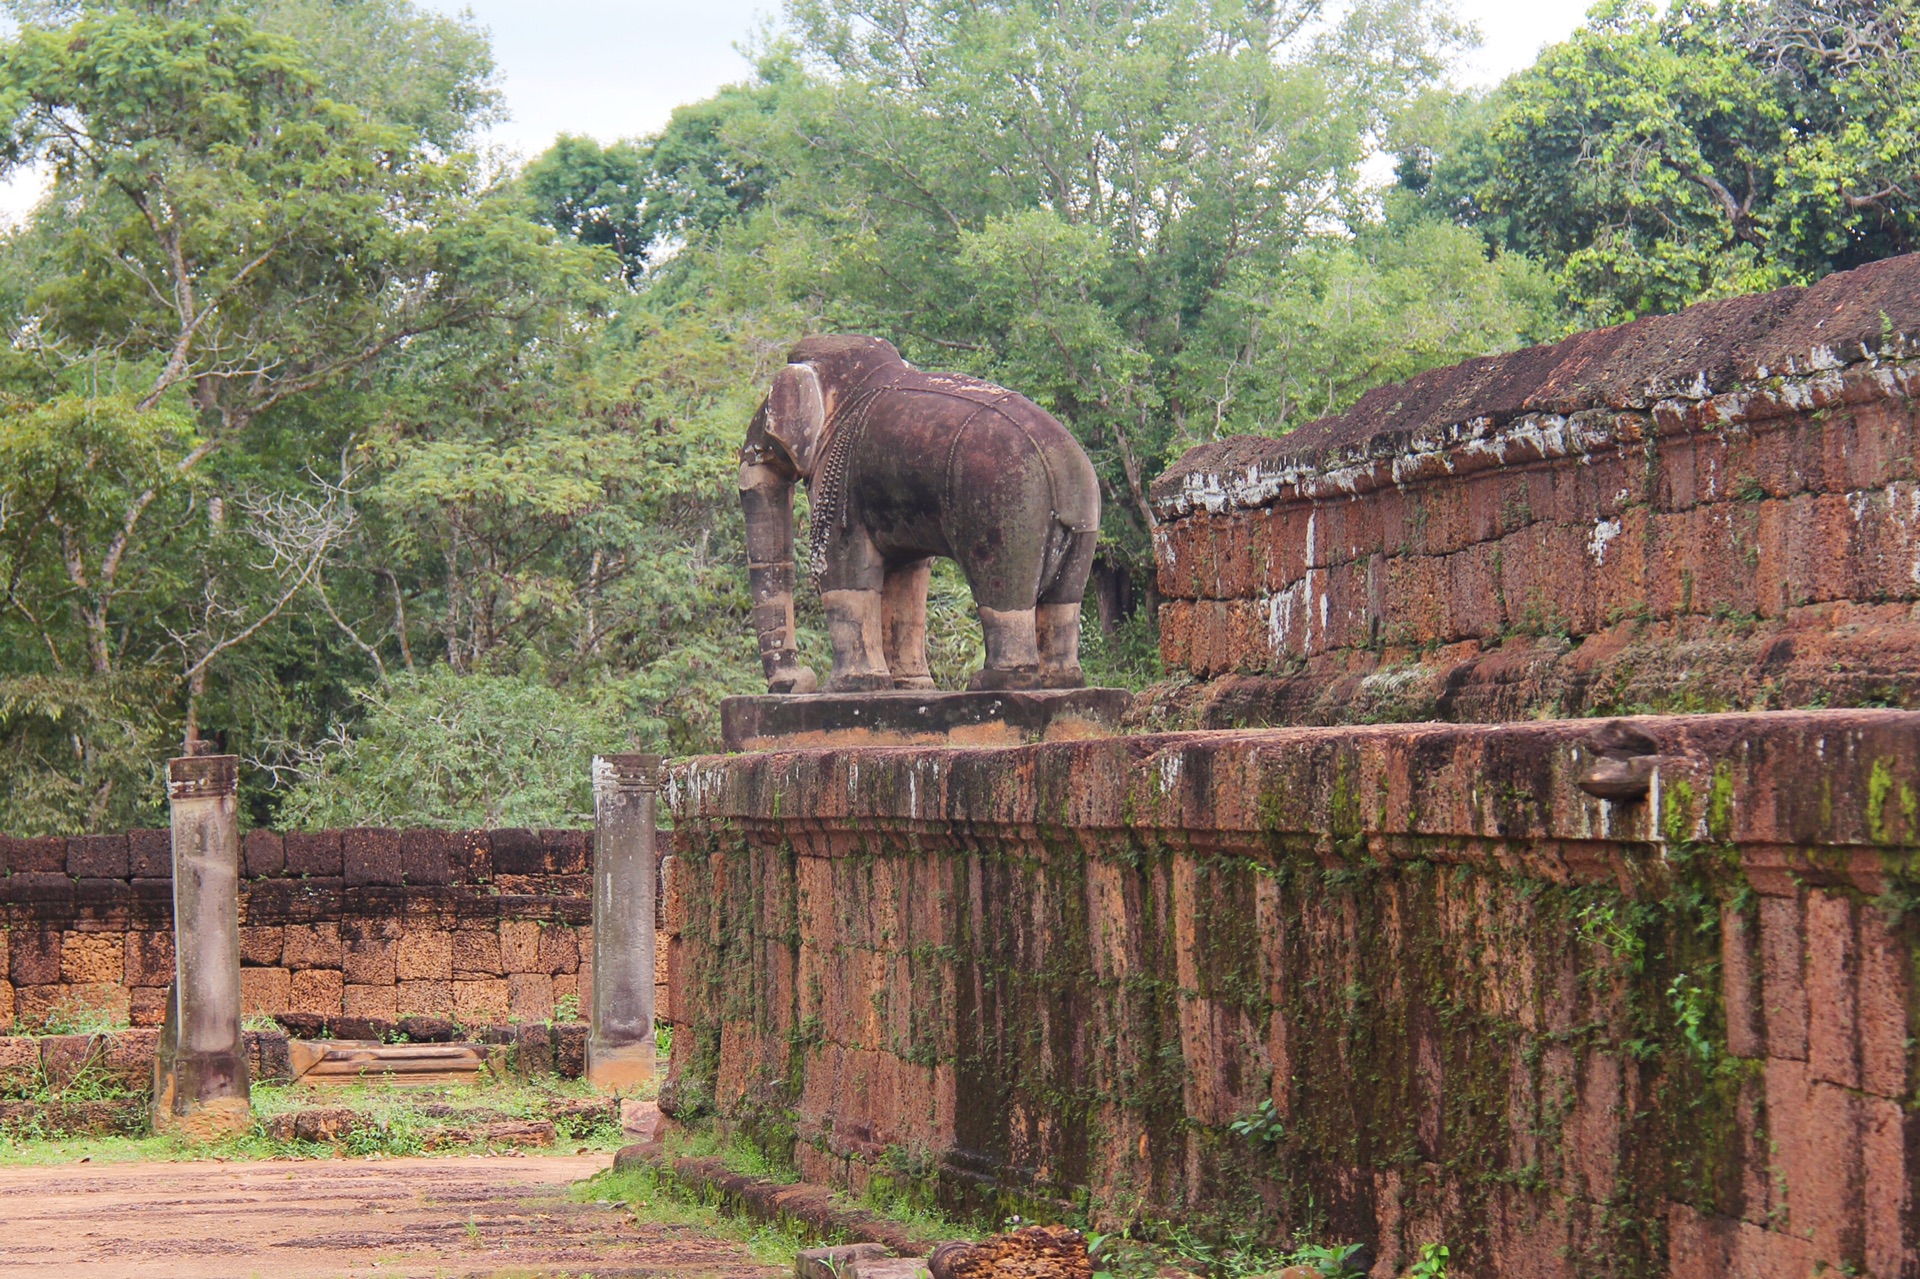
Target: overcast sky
617 68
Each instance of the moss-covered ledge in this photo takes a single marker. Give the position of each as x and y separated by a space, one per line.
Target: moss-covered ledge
1397 984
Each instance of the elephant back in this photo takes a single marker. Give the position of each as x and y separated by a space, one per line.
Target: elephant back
938 461
1001 438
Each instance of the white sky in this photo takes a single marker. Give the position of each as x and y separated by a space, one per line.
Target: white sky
617 68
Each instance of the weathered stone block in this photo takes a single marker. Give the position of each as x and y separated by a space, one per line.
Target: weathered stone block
313 853
520 945
476 953
98 857
93 958
101 905
517 852
1783 983
427 856
1833 1045
530 996
570 1049
315 945
481 999
424 998
266 992
835 1262
147 1005
149 959
371 1001
150 854
43 856
370 856
33 956
370 949
33 1005
557 950
474 864
423 956
19 1062
316 992
263 854
262 945
568 852
151 905
904 718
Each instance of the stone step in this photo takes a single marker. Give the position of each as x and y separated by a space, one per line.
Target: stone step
347 1061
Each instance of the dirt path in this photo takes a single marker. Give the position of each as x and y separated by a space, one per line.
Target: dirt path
454 1218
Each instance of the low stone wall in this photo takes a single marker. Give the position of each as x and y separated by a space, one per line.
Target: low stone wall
1713 510
1564 1036
356 927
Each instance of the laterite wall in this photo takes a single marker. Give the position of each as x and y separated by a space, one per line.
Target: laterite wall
1714 510
348 930
1561 1035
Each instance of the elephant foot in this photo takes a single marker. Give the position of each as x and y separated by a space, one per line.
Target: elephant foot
924 683
1019 679
794 680
1066 677
862 682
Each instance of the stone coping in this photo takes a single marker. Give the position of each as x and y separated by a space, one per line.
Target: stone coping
1716 365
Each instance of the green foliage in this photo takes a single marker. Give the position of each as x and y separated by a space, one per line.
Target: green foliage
1263 1126
593 194
447 750
1711 147
1335 1261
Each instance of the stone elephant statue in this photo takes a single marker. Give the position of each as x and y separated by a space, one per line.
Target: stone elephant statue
903 465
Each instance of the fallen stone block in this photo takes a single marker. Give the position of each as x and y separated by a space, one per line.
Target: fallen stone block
890 1268
324 1124
641 1118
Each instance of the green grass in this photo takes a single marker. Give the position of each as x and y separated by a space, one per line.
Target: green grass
395 1123
741 1156
654 1200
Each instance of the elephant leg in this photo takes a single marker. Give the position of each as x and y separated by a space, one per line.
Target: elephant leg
853 625
850 593
1058 626
1057 618
904 617
1013 651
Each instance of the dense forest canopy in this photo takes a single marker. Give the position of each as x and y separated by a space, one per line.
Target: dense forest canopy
408 477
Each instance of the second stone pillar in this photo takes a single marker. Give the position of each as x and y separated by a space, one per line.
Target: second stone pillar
200 1072
620 1051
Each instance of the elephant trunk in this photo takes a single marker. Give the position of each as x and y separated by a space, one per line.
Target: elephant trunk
766 499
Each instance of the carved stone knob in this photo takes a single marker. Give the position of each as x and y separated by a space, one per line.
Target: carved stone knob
1623 771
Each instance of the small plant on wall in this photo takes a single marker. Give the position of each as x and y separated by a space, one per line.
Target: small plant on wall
1262 1126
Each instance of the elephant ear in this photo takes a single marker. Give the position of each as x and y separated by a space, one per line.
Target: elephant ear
796 414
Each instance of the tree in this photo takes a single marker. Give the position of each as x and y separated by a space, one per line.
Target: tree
1711 148
593 194
460 751
226 246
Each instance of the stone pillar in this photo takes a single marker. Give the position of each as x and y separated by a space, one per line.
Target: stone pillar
620 1049
200 1073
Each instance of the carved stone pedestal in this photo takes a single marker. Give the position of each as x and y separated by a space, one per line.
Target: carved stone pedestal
914 718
